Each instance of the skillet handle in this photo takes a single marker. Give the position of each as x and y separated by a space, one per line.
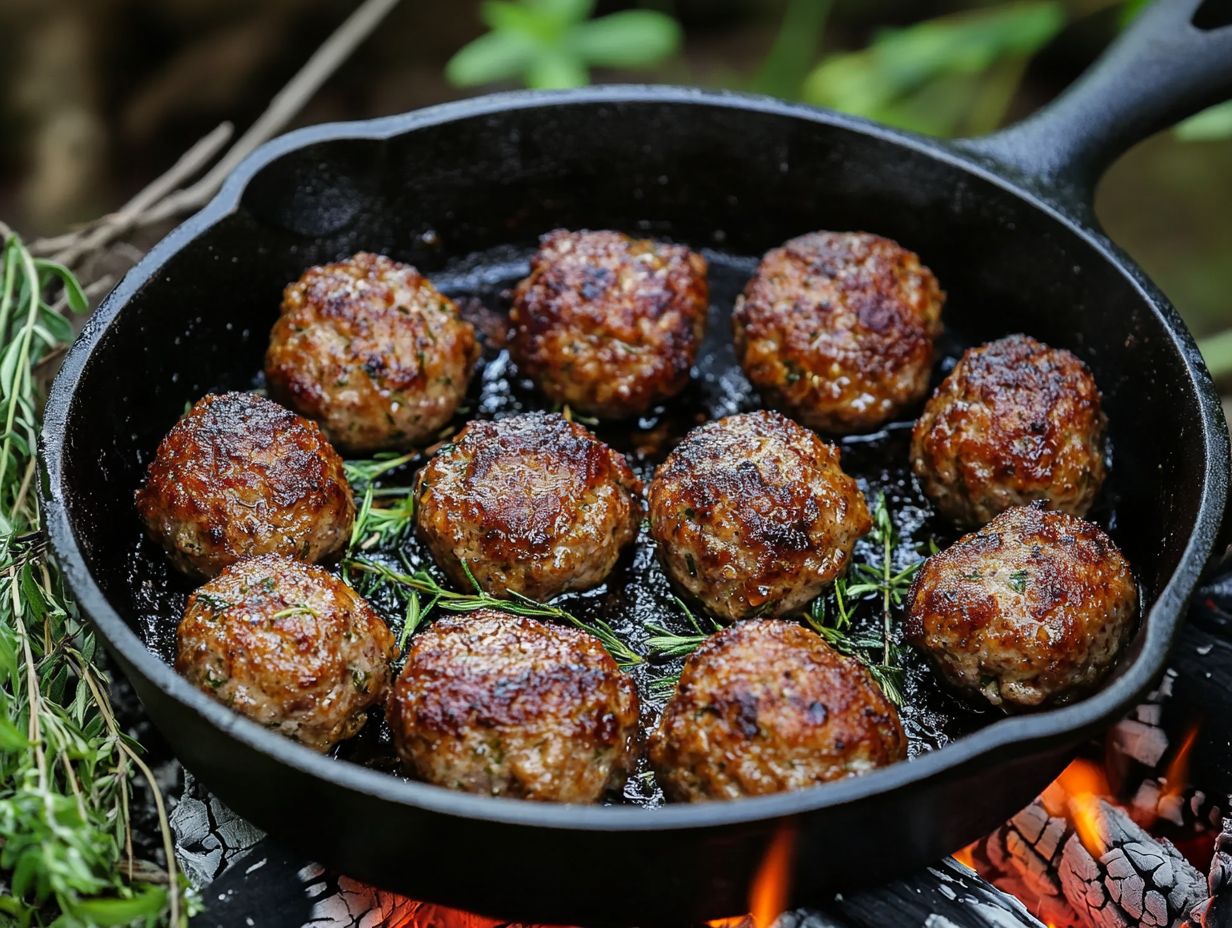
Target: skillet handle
1174 60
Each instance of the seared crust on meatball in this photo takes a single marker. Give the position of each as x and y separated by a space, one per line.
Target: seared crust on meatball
767 706
837 329
534 504
1015 421
1032 609
511 706
288 645
370 349
240 476
753 515
609 324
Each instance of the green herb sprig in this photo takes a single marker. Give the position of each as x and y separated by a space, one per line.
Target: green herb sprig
880 579
416 584
363 472
382 525
832 615
666 644
835 626
555 43
66 767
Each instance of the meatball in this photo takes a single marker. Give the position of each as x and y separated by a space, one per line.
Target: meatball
1015 421
533 504
370 349
837 329
511 706
288 645
240 476
1032 609
767 706
754 516
609 324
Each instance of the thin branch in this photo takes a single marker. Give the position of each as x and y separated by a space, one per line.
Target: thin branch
71 246
282 109
165 199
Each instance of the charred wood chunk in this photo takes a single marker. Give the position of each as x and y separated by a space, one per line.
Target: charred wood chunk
1216 910
1131 879
1023 857
946 895
209 837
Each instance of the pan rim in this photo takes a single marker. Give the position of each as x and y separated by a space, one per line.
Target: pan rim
1007 737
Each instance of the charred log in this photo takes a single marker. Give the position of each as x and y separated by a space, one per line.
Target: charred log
946 895
1131 878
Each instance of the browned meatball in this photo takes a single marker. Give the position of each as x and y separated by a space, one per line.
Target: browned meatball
288 645
1015 421
511 706
1032 609
609 324
754 516
534 504
767 706
240 476
370 349
837 329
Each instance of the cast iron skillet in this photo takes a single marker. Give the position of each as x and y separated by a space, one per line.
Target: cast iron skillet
1006 224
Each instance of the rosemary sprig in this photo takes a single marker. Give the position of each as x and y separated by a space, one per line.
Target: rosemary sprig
663 687
666 644
362 472
881 579
66 768
418 583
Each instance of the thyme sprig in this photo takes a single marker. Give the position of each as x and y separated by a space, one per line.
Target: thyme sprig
881 579
832 615
381 525
835 626
415 584
66 767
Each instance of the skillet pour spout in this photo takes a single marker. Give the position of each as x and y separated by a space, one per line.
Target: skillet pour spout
1004 222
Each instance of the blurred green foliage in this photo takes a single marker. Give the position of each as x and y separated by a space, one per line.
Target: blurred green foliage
952 75
945 76
555 43
1208 126
794 52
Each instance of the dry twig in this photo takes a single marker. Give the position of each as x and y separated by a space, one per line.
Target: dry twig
166 198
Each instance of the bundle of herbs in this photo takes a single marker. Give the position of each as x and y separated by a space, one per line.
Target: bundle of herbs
66 765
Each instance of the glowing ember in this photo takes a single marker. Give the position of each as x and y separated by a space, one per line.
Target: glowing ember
965 857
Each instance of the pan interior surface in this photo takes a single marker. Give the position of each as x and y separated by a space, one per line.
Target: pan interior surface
636 598
465 199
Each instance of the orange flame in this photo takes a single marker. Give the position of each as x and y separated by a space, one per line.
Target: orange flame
770 891
1177 777
1078 789
771 888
